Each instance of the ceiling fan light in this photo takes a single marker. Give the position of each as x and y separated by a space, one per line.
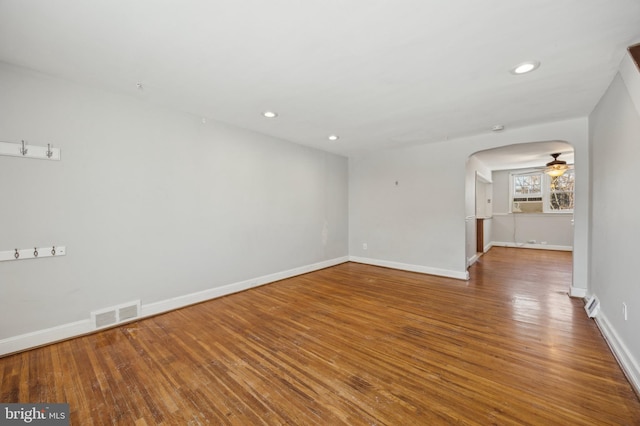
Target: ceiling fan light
556 170
556 167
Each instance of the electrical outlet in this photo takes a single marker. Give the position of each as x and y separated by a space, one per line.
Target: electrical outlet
364 246
624 310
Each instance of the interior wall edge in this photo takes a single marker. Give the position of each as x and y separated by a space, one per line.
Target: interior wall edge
620 351
212 293
464 275
578 292
61 332
531 246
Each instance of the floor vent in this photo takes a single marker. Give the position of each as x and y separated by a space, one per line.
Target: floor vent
104 319
115 314
128 312
592 307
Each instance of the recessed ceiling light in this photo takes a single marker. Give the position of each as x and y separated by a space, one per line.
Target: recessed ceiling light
333 137
525 67
270 114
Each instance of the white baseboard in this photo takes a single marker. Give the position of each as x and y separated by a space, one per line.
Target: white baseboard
42 337
66 331
411 268
212 293
626 360
578 292
473 259
531 246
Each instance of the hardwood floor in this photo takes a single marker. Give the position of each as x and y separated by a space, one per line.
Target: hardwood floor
352 344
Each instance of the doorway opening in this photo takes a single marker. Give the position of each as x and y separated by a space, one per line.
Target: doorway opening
499 213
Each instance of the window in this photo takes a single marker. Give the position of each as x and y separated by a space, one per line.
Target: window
561 192
527 184
535 192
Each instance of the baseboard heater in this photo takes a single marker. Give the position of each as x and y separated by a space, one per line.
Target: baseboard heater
592 307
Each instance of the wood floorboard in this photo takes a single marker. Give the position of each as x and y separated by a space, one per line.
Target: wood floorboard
352 344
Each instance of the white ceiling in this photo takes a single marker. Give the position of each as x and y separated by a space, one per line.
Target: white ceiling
379 73
528 155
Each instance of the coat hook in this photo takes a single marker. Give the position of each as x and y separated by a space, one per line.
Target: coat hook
16 254
35 252
23 150
49 152
53 251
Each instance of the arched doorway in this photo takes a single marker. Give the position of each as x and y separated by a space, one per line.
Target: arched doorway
505 212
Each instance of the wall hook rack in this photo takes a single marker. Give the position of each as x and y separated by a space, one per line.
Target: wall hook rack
25 150
33 253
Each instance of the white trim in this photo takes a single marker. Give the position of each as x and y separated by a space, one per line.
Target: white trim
212 293
624 357
411 268
531 246
545 191
546 197
558 213
523 172
45 336
482 178
578 292
78 328
473 259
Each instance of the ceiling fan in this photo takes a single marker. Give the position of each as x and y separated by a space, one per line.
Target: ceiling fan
556 167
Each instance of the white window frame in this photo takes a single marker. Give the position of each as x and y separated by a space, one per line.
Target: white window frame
512 188
546 198
545 194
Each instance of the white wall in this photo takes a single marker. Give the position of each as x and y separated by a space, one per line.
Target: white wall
421 222
474 170
533 230
487 234
550 230
615 131
484 196
151 204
